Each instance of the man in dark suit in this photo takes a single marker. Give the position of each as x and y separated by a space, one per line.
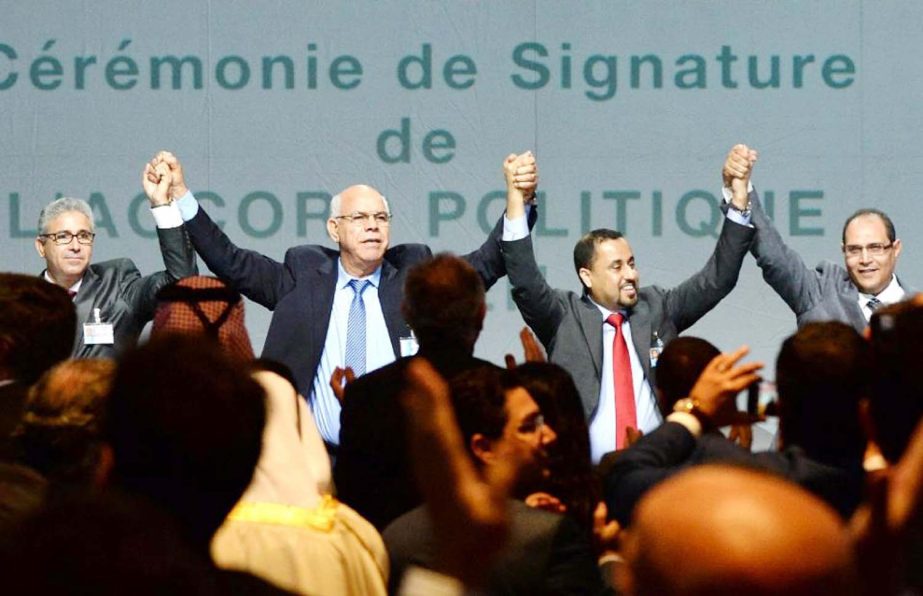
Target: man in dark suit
829 292
546 553
444 305
576 330
314 292
821 374
113 300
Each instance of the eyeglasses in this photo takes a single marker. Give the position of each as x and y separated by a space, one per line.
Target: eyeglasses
382 218
876 249
532 424
62 238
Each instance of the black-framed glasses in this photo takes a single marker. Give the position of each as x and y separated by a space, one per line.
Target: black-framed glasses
876 249
62 238
382 218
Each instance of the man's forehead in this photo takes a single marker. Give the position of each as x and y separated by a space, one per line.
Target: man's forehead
614 249
867 225
519 403
72 218
361 197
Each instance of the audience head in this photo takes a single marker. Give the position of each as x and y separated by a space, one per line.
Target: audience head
871 249
37 326
725 530
59 434
821 376
444 302
896 397
499 420
605 265
571 478
185 426
360 223
203 305
679 367
65 239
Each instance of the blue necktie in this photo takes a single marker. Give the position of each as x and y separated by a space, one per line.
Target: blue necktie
355 328
874 304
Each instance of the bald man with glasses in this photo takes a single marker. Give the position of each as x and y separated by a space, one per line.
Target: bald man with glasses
113 300
829 292
334 308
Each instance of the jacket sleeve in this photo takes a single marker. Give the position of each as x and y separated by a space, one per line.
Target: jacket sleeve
254 275
783 268
488 260
541 307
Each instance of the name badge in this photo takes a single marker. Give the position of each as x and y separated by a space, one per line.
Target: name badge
97 332
409 345
656 349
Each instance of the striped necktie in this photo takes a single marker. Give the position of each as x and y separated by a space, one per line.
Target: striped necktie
355 328
874 304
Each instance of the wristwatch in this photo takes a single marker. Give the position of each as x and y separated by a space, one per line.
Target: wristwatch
691 406
745 212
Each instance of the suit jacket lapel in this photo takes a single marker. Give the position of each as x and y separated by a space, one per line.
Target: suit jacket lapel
83 303
640 320
321 305
591 324
84 299
851 298
389 296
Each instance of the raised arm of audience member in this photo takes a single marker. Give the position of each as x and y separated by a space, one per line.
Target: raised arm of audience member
531 350
468 506
890 521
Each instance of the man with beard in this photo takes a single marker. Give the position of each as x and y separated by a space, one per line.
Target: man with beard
609 336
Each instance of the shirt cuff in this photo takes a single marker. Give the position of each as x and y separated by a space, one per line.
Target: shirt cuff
688 421
733 214
167 216
420 581
518 228
188 206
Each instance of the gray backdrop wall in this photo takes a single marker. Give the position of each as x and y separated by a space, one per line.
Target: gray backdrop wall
630 107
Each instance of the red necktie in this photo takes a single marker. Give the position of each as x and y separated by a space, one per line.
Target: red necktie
625 415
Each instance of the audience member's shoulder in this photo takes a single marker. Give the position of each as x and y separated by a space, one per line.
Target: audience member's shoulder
409 527
532 519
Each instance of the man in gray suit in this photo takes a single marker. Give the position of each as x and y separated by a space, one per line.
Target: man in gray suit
574 328
829 292
112 299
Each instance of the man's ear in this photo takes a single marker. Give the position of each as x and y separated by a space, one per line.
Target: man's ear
482 448
333 230
585 277
40 247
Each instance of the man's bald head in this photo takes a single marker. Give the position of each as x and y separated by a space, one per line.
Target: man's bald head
723 530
